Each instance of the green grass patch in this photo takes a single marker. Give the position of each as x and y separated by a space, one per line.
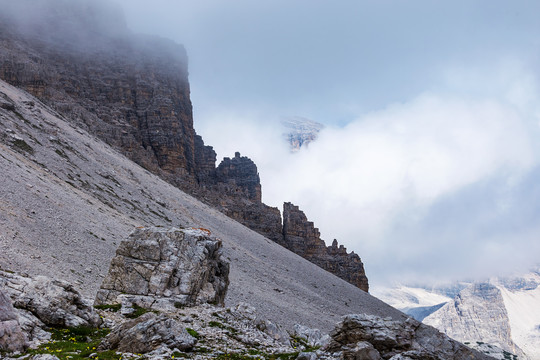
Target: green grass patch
139 311
75 344
300 342
193 333
179 355
219 325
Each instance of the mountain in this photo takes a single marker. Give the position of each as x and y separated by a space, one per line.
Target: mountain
502 311
300 131
96 140
132 92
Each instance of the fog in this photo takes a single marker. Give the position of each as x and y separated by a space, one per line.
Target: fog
428 165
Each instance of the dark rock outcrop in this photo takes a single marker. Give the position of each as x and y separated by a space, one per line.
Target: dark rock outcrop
239 174
164 269
303 238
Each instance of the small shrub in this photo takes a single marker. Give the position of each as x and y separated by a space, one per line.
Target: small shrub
193 333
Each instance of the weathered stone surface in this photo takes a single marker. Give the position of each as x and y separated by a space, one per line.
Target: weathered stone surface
312 337
146 333
166 268
361 351
11 336
396 339
53 302
303 238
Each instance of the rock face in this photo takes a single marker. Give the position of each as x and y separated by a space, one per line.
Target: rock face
132 92
147 333
477 313
303 238
11 335
369 337
164 269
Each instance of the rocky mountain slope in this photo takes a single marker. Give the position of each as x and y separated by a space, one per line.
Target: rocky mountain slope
132 92
68 199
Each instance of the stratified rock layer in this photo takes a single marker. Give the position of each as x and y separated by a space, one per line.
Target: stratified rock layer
166 268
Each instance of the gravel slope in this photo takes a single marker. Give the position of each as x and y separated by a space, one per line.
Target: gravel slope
67 200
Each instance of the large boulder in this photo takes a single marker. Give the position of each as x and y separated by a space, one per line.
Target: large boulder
360 336
165 269
11 336
146 333
52 302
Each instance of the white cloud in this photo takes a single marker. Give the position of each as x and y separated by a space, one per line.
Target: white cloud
372 184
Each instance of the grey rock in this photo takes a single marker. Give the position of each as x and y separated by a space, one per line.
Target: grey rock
32 327
44 357
11 336
408 338
276 332
313 337
53 302
147 333
362 351
384 334
166 268
306 356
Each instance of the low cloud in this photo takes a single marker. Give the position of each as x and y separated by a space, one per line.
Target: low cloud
434 188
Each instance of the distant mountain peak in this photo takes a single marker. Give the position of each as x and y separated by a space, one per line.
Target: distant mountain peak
300 131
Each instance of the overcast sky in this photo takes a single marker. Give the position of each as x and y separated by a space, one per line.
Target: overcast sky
428 165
